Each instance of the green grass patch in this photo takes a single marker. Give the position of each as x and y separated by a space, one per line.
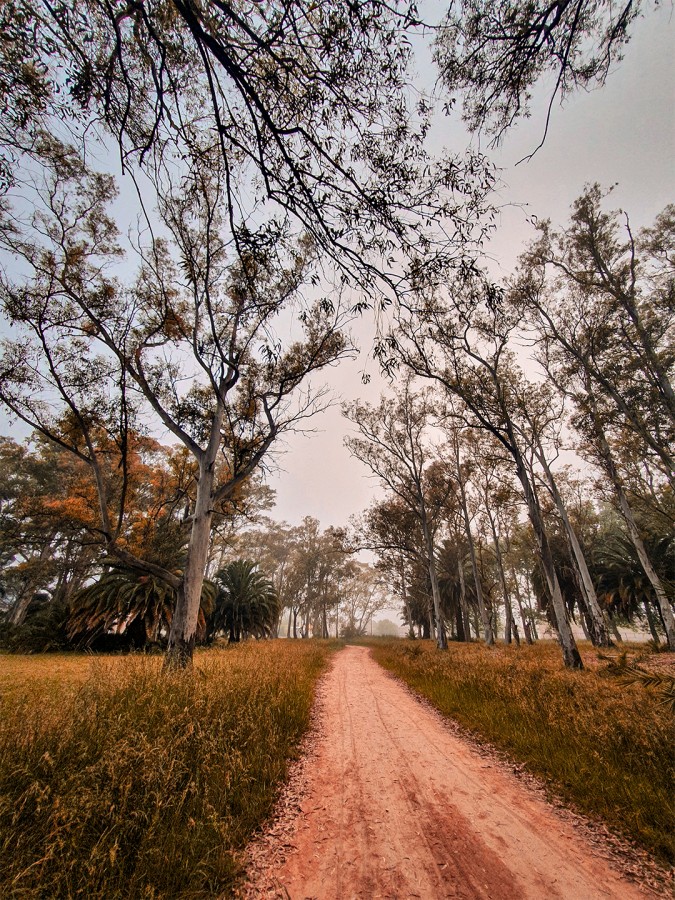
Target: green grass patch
119 780
606 747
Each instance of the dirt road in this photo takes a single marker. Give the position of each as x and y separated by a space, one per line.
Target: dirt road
396 806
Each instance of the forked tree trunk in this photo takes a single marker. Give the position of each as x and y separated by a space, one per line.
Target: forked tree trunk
186 615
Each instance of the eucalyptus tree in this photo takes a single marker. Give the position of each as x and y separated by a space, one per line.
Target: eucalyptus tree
310 568
591 420
331 571
599 301
364 595
195 344
394 444
598 298
492 473
459 339
462 468
540 422
391 530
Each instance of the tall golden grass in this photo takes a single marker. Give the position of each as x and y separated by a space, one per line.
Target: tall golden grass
608 748
118 780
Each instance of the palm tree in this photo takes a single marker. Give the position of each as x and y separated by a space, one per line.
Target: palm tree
126 601
247 603
621 581
133 604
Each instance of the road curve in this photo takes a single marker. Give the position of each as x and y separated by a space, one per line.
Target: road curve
397 806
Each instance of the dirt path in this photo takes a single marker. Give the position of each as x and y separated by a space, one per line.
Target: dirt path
396 806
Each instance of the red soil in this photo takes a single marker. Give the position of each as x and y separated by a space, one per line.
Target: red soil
394 805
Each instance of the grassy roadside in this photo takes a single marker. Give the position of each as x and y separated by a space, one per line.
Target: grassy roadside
606 748
117 780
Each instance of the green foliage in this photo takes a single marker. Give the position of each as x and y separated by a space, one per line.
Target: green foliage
247 604
43 630
132 782
608 751
124 600
620 579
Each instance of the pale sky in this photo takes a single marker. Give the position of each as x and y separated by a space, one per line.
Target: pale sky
623 133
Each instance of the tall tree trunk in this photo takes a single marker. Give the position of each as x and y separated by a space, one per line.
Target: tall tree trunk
615 630
432 626
583 621
650 621
516 636
324 621
531 617
516 589
406 602
186 615
487 626
598 627
17 614
508 613
462 599
570 652
457 625
441 639
635 536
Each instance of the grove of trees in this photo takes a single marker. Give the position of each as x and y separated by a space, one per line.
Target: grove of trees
594 299
195 202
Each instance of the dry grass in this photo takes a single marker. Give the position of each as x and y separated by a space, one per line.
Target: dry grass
117 780
604 746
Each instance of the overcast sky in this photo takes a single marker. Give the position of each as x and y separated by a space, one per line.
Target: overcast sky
622 134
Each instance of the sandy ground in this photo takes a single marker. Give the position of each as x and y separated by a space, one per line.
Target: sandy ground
389 803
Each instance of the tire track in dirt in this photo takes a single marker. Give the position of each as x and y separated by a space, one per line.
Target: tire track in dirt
397 806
